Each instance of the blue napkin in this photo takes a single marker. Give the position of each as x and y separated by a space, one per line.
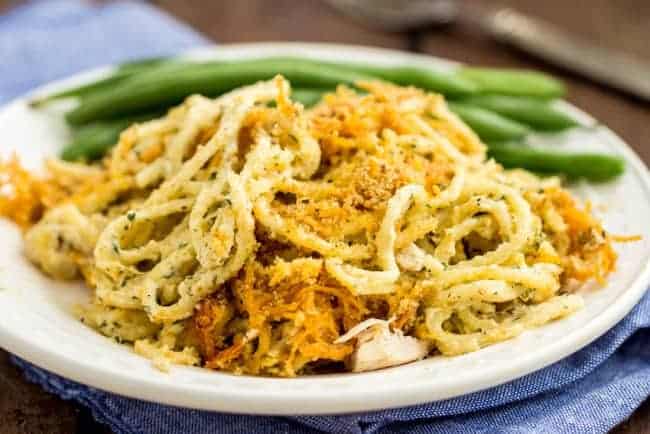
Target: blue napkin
50 39
591 391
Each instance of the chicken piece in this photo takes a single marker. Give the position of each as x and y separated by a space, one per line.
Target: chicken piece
378 347
59 239
411 258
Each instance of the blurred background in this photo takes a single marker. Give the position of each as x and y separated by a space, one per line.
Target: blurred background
446 28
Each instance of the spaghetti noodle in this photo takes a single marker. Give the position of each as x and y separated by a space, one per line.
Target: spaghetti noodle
248 234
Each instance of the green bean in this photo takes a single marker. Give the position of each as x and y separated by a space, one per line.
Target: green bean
82 90
307 97
162 88
90 142
592 166
144 63
489 125
447 83
516 82
427 79
443 82
540 115
123 71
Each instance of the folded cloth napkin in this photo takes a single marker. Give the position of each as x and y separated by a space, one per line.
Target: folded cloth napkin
50 39
590 391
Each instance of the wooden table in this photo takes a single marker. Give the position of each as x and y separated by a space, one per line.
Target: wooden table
623 25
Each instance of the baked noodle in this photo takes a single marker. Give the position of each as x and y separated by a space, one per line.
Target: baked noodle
247 234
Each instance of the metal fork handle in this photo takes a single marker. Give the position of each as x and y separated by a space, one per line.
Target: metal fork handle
550 43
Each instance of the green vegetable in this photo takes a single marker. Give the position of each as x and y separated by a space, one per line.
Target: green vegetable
92 141
489 125
594 167
540 115
142 64
441 82
167 86
82 90
498 104
447 83
515 82
123 71
307 97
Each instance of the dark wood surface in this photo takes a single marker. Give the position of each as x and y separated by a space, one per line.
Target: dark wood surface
621 24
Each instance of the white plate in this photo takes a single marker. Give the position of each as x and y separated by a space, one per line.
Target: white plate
36 324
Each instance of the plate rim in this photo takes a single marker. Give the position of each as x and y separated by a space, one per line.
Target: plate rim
304 402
